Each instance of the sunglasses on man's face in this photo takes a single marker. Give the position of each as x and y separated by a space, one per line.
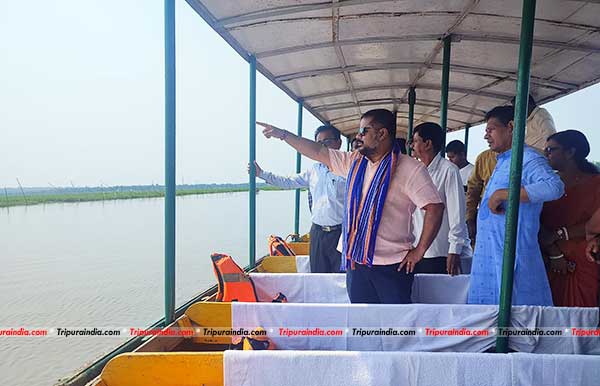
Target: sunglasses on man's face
364 130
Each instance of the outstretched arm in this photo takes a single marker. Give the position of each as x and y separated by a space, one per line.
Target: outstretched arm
310 149
295 181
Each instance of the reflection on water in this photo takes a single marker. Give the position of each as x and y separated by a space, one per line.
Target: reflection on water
100 264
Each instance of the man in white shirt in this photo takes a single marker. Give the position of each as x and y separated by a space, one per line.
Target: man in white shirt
539 126
327 198
457 154
443 256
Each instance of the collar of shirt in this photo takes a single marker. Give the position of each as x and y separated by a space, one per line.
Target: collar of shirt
435 162
506 154
530 117
322 166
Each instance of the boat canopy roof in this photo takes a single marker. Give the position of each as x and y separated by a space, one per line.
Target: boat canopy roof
342 58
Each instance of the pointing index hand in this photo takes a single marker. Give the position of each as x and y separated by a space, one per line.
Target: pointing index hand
272 131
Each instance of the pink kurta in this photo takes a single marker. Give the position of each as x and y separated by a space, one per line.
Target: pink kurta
410 187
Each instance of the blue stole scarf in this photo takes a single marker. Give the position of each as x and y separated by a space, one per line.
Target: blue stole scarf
361 217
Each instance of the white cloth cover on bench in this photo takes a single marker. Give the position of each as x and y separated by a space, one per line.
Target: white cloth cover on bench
553 317
303 264
555 370
331 288
328 368
273 316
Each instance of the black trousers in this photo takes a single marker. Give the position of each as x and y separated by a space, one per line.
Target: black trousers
379 284
431 265
324 256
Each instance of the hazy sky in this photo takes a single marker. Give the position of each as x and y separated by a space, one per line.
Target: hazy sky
81 98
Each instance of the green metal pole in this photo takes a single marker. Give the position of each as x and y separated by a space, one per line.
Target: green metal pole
512 212
298 165
412 97
444 98
467 127
169 160
252 184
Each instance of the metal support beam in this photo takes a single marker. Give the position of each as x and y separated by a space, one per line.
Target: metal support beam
288 10
467 127
252 152
495 73
351 129
422 86
202 11
445 86
298 165
335 29
516 164
412 97
378 102
170 187
475 37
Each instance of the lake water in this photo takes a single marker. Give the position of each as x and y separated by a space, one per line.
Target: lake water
100 264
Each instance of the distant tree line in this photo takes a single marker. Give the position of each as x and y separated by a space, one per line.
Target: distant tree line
121 189
55 190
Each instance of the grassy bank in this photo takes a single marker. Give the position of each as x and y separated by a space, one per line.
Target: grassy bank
35 199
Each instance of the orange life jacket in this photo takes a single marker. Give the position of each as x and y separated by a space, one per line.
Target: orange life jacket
278 247
234 284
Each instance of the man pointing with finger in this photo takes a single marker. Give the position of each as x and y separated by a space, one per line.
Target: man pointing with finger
383 189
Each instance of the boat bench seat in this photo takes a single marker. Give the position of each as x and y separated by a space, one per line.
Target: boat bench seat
301 263
331 288
319 368
162 369
285 323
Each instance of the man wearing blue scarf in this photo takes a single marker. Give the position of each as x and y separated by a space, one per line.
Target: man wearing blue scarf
383 189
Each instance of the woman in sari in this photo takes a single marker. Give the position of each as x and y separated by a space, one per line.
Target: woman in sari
573 277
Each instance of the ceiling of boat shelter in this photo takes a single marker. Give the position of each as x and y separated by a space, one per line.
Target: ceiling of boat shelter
344 57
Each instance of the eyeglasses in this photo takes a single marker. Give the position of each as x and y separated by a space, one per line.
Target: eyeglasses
550 149
327 141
